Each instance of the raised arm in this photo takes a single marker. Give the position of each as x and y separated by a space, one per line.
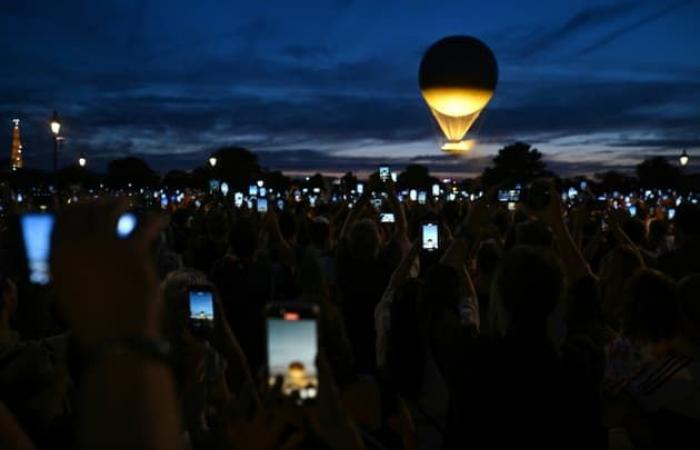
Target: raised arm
108 290
574 263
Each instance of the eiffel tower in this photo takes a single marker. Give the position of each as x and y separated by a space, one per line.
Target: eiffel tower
16 155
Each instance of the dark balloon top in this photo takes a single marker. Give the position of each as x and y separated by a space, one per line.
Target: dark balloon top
458 61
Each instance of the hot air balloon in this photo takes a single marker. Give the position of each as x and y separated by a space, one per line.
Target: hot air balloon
457 78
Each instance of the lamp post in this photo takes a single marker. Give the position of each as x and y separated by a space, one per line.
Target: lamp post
82 160
55 128
212 161
684 158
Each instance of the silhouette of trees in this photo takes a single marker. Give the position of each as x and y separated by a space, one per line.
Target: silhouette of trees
277 180
518 162
237 166
178 179
415 176
613 180
76 175
657 172
131 170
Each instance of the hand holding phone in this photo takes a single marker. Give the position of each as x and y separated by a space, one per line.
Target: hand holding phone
292 347
429 236
36 234
201 299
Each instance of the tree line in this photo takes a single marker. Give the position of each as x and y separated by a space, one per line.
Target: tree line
519 162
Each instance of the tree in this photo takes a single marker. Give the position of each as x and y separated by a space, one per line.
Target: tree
277 180
518 162
237 166
657 172
415 176
316 181
348 182
178 179
131 170
75 175
612 180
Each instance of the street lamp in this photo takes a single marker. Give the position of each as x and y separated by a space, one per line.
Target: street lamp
212 161
82 161
684 158
55 128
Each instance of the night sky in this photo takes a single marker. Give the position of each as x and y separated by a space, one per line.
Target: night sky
332 85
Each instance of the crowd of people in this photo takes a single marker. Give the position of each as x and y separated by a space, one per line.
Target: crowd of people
550 324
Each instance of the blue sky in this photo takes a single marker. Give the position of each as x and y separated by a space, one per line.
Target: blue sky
333 85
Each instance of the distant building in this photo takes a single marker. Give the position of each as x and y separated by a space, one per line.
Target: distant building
16 153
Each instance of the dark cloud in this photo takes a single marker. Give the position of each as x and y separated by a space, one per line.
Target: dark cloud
582 21
629 27
134 77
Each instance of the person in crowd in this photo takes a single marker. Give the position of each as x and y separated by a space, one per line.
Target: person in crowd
554 324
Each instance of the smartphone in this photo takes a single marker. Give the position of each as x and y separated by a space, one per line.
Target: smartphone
262 205
292 348
201 307
422 198
436 190
632 210
508 195
214 185
36 234
429 235
253 190
413 195
376 203
394 177
384 173
238 199
262 191
126 225
280 204
360 188
387 218
671 213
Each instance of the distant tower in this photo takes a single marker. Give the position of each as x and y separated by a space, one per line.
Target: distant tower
16 155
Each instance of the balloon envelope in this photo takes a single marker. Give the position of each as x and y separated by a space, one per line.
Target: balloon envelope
457 78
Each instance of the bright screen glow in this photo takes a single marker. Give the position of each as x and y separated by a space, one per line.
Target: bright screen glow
36 233
126 224
291 350
430 236
201 306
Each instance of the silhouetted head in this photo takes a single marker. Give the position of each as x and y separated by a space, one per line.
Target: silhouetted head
534 233
527 287
488 257
616 267
651 313
243 239
319 232
688 221
8 296
216 223
658 229
634 229
689 304
442 287
364 240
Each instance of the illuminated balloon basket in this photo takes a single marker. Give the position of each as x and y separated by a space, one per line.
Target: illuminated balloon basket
457 78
